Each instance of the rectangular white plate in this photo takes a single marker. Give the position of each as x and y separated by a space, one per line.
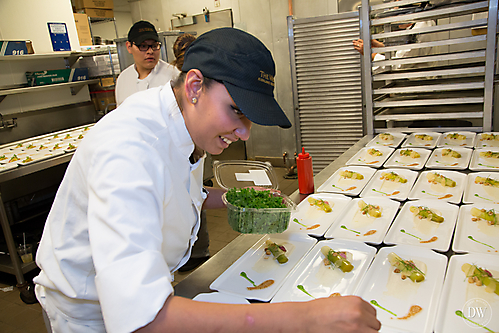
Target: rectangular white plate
483 163
480 142
361 224
390 291
397 161
479 193
338 184
260 267
5 167
39 156
322 281
317 220
425 190
412 142
457 292
443 141
485 237
424 229
377 141
437 161
388 189
363 158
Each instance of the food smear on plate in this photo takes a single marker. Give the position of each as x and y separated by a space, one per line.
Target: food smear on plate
320 204
277 251
263 285
337 259
409 153
302 288
315 226
431 240
413 310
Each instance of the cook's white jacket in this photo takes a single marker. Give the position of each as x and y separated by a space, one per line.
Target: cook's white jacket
125 216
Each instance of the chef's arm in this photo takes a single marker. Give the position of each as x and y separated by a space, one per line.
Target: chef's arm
214 199
334 314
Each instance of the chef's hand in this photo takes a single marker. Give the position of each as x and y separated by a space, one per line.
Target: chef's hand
358 45
343 314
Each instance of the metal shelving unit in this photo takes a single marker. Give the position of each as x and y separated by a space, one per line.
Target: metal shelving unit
452 80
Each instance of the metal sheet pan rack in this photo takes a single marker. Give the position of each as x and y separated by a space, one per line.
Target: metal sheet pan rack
436 74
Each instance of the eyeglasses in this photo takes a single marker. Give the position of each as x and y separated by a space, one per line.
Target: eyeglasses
144 47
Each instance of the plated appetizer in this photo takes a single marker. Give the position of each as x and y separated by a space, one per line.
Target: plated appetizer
426 213
3 157
489 154
14 158
374 152
407 268
489 137
393 177
351 175
423 137
436 178
370 210
481 277
321 204
488 215
455 136
277 251
447 152
486 181
409 153
339 259
386 137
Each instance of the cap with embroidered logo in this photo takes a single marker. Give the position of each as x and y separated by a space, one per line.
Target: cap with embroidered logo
142 31
246 68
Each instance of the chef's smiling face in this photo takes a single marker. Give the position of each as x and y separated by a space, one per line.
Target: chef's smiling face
145 60
216 121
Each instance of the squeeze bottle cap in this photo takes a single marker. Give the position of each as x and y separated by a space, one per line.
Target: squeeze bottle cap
303 154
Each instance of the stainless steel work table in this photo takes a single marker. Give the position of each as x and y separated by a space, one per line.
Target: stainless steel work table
199 281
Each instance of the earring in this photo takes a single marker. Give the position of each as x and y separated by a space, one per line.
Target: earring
194 100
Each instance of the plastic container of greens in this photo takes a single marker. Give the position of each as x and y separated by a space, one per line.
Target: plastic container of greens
243 213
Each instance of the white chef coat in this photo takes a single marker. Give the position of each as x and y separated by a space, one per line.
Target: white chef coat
128 82
124 218
414 52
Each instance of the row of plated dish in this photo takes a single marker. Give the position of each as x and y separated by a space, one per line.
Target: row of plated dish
345 228
40 148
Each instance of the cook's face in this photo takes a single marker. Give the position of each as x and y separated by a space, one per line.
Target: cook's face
218 120
144 59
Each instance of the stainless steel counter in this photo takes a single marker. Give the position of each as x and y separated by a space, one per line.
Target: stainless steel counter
199 281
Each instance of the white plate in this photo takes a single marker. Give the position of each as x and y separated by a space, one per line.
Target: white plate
425 190
377 141
468 142
480 142
478 192
317 220
457 292
39 156
418 143
8 160
482 163
338 184
437 161
322 281
361 225
363 158
424 229
260 267
397 295
217 297
5 167
397 161
484 237
389 189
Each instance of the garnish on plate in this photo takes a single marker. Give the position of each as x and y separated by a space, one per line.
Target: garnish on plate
447 152
489 154
374 152
481 277
406 268
278 251
302 288
488 215
455 136
409 153
426 213
486 181
393 177
337 259
321 204
386 137
351 175
424 137
368 209
436 178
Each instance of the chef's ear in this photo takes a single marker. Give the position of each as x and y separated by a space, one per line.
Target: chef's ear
193 83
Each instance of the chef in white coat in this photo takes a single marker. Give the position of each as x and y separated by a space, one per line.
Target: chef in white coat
127 211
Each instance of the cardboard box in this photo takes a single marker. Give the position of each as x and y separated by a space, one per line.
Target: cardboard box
41 78
102 4
99 13
103 99
13 47
83 29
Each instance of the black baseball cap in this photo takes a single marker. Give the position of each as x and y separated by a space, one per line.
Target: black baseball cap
141 31
245 66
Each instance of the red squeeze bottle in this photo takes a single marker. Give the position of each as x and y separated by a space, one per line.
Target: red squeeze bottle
305 172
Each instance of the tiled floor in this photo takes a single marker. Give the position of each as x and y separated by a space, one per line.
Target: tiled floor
18 317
